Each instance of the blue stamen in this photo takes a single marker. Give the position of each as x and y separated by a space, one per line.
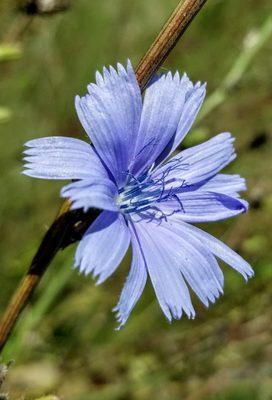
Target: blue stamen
141 195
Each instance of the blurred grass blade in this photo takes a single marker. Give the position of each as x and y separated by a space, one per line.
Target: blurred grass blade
5 114
10 51
48 397
253 42
35 314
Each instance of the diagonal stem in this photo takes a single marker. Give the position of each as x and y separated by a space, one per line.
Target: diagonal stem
69 226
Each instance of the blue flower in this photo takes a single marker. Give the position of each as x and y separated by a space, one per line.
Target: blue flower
147 198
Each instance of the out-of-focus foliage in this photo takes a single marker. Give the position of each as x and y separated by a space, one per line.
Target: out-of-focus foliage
5 114
8 52
65 343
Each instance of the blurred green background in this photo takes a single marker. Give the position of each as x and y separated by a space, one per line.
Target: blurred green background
65 342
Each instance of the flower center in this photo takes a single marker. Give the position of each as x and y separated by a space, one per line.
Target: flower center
139 194
143 195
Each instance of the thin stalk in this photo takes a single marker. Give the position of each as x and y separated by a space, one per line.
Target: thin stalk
69 226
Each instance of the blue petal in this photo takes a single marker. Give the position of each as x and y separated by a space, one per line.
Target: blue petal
230 185
163 104
201 206
103 246
134 285
196 263
97 192
220 250
61 158
193 102
161 253
110 114
199 163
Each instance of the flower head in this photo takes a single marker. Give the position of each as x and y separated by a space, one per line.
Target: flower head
148 197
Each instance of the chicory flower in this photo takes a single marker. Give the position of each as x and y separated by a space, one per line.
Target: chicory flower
149 194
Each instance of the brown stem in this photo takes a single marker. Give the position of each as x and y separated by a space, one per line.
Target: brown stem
69 226
167 39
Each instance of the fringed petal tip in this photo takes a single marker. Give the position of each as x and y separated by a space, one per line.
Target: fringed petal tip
173 313
58 157
27 172
34 171
244 205
35 142
97 276
110 74
120 318
111 71
27 144
202 85
248 274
